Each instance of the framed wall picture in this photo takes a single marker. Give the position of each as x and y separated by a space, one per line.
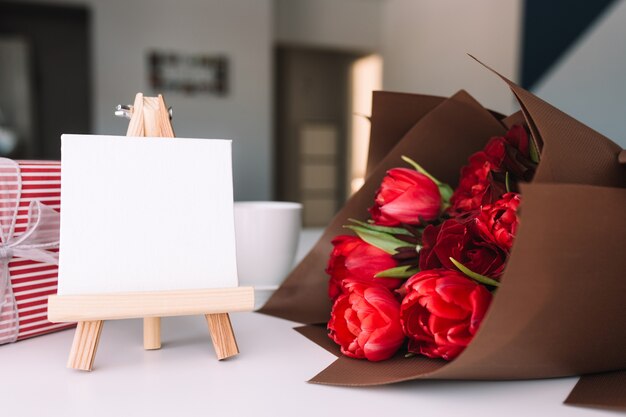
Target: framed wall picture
188 73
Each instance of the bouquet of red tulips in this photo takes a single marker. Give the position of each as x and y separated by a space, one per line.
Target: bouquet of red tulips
515 270
424 267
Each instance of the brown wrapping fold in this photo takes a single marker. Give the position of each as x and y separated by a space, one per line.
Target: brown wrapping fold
447 136
607 390
560 309
390 125
572 152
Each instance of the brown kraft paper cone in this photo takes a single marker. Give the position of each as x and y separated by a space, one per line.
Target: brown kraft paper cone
560 308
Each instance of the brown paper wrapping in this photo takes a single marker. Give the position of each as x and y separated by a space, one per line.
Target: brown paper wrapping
560 309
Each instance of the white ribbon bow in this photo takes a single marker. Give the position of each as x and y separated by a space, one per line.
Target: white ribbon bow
42 233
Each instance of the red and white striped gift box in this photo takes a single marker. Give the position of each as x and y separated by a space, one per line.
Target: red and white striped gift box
33 281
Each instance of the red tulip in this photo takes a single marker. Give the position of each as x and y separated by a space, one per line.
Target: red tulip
352 258
406 196
476 185
483 179
365 322
498 222
441 312
463 242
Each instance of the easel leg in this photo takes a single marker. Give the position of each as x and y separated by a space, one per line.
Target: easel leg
85 344
222 335
152 333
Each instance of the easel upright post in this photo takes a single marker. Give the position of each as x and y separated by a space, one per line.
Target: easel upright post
152 333
150 117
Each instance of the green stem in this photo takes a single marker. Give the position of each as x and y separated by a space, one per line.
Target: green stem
533 150
507 182
420 169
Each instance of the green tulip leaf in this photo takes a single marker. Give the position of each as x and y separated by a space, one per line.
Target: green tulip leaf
534 152
384 229
382 241
473 275
403 272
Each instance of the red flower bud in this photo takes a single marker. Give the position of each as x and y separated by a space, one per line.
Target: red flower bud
365 322
441 312
406 196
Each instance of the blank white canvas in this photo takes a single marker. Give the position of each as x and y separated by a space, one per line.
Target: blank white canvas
145 214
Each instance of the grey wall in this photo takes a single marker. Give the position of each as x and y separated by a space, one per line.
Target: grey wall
125 30
424 45
336 24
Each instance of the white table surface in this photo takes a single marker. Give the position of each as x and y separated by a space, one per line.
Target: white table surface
269 377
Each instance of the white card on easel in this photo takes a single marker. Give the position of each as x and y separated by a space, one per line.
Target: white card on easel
145 214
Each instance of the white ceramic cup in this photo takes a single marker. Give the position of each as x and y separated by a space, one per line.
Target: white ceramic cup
267 234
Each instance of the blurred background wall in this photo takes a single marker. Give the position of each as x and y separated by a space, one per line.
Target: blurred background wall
123 32
301 72
588 81
439 35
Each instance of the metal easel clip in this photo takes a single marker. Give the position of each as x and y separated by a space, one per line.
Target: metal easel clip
126 111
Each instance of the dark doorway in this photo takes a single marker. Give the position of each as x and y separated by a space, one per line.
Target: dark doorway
312 124
45 78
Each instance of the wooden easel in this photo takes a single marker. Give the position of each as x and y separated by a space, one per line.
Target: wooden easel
149 117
